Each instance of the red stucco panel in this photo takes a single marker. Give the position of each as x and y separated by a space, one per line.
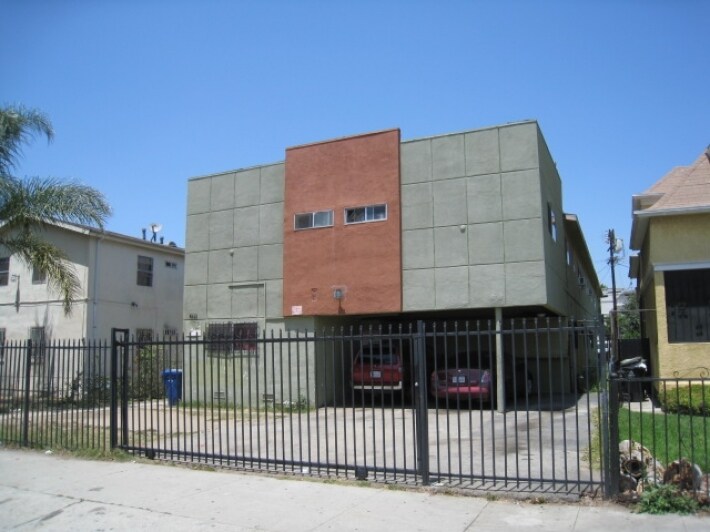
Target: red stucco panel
363 261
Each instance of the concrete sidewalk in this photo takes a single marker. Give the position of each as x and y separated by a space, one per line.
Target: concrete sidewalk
50 492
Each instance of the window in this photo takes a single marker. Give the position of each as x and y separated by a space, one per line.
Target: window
169 331
145 271
371 213
38 344
310 220
688 305
4 271
144 335
38 276
551 223
229 339
171 265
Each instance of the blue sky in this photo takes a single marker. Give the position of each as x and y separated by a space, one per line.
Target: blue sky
146 94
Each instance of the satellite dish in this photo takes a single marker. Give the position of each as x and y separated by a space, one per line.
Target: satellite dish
156 228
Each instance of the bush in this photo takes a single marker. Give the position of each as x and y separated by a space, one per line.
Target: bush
96 391
666 499
146 380
691 400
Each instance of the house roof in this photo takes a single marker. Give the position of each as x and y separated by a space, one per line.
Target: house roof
131 240
117 237
683 190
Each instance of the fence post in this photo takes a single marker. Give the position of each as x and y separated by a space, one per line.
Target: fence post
124 392
114 390
116 384
420 402
610 419
613 472
26 398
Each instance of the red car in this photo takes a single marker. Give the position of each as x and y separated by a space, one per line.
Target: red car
464 377
379 366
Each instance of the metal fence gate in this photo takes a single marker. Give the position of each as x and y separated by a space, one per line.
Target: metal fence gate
290 403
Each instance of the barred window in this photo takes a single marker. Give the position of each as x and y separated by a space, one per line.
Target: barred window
144 335
688 305
231 339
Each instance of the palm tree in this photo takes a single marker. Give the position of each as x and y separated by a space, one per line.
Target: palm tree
28 205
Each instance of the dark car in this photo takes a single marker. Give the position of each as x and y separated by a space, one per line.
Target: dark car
380 366
471 376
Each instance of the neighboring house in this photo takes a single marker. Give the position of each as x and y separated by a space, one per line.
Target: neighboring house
671 229
607 300
365 228
126 283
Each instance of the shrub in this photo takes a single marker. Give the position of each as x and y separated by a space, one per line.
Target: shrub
691 400
146 379
665 499
87 391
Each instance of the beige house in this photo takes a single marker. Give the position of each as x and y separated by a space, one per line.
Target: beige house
126 282
671 231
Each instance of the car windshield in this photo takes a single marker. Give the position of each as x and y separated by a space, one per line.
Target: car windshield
378 355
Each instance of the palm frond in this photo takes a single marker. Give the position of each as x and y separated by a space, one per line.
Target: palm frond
18 125
49 260
34 201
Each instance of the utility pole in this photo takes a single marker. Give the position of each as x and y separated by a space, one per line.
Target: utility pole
613 322
612 261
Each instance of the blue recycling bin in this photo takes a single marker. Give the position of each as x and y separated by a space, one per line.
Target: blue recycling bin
172 380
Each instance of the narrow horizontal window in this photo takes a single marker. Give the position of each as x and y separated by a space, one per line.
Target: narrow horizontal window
310 220
370 213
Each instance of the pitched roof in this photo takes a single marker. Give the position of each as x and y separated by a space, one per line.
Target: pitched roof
683 190
684 186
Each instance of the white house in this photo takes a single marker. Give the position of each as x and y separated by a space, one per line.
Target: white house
126 282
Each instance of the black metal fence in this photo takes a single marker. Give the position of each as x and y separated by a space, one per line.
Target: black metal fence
438 406
663 432
55 394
